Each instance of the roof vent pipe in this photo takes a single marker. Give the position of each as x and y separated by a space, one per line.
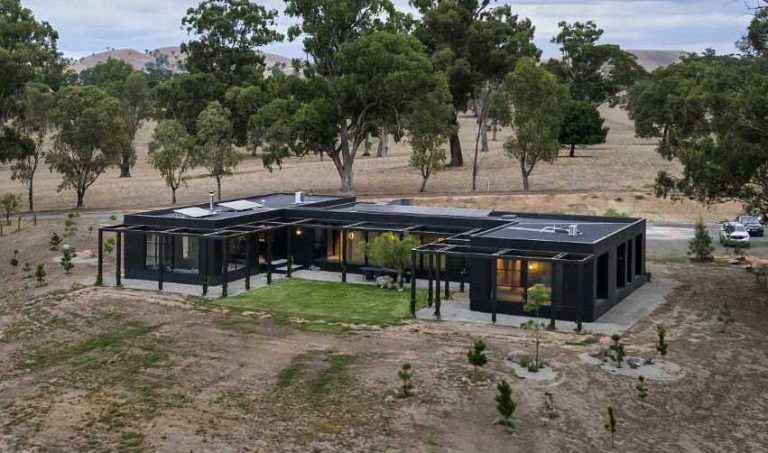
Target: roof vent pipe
299 199
210 195
573 230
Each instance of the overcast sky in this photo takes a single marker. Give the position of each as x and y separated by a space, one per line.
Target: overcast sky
87 26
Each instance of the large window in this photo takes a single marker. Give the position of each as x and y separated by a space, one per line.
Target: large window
333 246
186 253
515 277
236 248
152 251
355 252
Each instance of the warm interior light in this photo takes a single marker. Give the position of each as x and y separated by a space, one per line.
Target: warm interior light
299 232
351 236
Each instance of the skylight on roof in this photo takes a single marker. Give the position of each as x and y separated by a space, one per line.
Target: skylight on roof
194 212
241 205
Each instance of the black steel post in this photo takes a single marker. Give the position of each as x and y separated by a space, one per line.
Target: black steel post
493 291
269 258
437 285
224 267
204 267
160 261
343 247
118 258
247 262
430 270
413 284
288 254
447 281
100 268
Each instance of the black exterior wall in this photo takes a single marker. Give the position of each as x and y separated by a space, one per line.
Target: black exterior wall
580 291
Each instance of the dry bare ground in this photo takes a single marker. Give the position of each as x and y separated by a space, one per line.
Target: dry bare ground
619 174
109 369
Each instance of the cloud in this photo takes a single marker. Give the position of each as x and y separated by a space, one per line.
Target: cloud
87 26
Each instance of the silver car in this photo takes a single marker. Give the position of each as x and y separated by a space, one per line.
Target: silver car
733 233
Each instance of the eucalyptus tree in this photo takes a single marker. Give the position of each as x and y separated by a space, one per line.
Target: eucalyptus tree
171 152
28 52
90 133
35 123
118 79
214 149
537 101
477 46
358 76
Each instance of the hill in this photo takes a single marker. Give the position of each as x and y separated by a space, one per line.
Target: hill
139 59
654 59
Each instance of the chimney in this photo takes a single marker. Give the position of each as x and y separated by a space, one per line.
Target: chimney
210 195
299 198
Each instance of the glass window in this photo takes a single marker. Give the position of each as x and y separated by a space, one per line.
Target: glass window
236 249
152 250
333 246
355 252
509 281
185 253
540 273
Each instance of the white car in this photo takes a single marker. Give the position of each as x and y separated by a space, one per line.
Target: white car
733 233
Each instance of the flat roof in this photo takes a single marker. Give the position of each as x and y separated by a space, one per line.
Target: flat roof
383 208
556 229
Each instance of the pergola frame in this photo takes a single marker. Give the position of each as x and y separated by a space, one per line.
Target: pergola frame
457 246
267 226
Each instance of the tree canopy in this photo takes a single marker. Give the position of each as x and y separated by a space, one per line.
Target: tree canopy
214 143
91 131
171 152
28 52
537 101
582 125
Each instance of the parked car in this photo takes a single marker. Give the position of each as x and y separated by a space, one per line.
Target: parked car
733 233
752 224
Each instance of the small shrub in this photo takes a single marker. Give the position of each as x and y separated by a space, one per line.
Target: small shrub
15 259
533 367
612 426
109 246
405 374
476 355
9 205
55 242
725 317
66 259
642 389
639 197
661 346
505 404
612 212
113 218
700 246
40 274
617 350
70 224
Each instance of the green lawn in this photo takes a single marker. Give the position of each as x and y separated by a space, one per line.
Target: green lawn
329 301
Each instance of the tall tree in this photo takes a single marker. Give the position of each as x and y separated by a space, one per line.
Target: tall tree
28 52
214 143
227 34
582 125
707 110
91 132
358 81
537 101
473 44
171 152
595 73
428 129
118 79
34 124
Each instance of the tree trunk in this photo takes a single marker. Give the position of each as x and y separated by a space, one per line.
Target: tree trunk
125 166
173 196
29 195
495 130
423 187
346 179
457 160
526 184
218 186
573 150
383 149
80 197
367 151
474 162
484 138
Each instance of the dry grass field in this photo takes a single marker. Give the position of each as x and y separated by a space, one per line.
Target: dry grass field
105 369
617 174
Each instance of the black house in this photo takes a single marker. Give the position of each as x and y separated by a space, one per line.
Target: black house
587 263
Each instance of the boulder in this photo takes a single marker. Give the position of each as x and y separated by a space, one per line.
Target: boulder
87 253
385 282
635 362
